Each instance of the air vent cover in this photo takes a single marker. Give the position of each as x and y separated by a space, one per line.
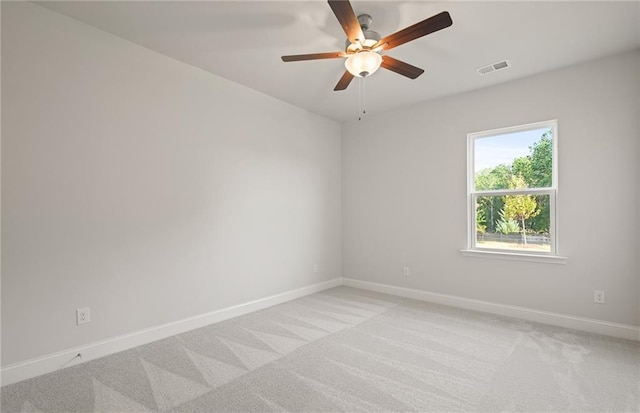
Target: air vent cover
493 67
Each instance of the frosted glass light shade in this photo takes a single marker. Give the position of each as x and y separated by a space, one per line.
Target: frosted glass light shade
363 64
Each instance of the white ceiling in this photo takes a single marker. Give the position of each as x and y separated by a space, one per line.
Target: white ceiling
243 41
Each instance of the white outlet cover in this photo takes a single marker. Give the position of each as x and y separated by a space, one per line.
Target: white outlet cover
598 296
83 315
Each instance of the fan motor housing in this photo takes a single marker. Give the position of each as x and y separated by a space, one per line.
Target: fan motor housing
370 37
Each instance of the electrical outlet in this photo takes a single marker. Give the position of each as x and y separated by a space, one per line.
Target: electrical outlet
405 271
315 268
598 296
83 315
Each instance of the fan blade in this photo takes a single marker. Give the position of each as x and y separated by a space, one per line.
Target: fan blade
312 56
432 24
400 67
347 18
344 81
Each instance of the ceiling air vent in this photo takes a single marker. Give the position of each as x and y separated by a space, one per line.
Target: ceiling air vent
493 67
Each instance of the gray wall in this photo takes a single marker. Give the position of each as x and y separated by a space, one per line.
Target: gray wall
152 191
147 189
404 193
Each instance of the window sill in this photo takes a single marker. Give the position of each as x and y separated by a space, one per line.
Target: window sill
547 259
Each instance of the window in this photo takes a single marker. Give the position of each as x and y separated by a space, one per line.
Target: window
512 188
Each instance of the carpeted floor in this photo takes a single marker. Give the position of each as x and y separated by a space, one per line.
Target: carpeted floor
348 350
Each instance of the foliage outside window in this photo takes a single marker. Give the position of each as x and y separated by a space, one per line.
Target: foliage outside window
512 181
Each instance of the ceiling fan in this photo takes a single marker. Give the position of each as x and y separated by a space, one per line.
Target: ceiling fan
364 47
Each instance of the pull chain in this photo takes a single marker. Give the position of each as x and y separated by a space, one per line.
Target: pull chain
364 97
359 98
362 111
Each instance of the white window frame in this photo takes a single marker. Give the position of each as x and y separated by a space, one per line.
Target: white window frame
472 195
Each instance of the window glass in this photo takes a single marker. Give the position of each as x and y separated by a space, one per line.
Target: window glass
512 189
500 219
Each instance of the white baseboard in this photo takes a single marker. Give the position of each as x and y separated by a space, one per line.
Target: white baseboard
46 364
562 320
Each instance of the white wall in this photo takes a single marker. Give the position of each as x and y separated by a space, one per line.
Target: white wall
404 193
638 199
152 191
147 189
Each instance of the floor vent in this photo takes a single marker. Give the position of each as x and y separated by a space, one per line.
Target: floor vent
493 67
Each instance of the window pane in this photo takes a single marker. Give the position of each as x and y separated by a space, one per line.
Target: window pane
513 222
514 160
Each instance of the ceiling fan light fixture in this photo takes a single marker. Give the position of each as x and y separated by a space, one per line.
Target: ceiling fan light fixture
364 63
364 47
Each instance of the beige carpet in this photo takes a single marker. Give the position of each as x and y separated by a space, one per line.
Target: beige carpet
348 350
